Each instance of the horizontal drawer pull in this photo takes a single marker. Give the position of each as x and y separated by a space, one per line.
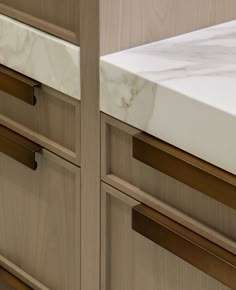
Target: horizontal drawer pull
18 85
200 175
8 281
18 147
184 243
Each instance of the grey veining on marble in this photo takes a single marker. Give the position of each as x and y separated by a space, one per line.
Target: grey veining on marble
181 90
43 57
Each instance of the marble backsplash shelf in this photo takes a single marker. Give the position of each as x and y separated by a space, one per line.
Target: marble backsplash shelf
181 90
41 56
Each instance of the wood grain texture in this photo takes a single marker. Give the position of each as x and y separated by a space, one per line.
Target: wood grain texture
131 23
158 190
10 282
185 244
40 219
58 18
90 146
21 275
54 122
182 166
131 261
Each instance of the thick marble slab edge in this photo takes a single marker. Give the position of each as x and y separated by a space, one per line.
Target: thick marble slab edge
43 57
181 90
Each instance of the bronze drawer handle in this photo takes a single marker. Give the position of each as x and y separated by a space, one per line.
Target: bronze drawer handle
8 281
18 147
200 175
18 85
184 243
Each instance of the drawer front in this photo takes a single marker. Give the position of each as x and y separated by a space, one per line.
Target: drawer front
41 14
40 113
122 170
40 215
131 260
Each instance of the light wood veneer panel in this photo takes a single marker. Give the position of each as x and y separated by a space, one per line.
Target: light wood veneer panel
135 178
60 18
40 219
131 261
54 122
90 145
131 23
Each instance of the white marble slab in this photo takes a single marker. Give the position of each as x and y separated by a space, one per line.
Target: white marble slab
41 56
181 90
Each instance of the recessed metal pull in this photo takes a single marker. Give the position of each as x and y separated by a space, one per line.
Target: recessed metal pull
18 147
10 282
186 244
199 174
18 85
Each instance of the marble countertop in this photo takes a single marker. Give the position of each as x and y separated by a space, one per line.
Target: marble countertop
41 56
181 90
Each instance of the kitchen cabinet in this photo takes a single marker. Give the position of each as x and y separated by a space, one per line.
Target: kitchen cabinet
132 261
60 18
40 113
39 212
124 169
51 205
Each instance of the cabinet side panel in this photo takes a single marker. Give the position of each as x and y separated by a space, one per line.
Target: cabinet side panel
131 23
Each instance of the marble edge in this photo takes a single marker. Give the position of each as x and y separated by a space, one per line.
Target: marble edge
151 83
50 60
162 112
140 69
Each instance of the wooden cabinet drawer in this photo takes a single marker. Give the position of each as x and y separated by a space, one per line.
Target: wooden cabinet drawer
39 212
60 18
122 170
40 113
157 253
